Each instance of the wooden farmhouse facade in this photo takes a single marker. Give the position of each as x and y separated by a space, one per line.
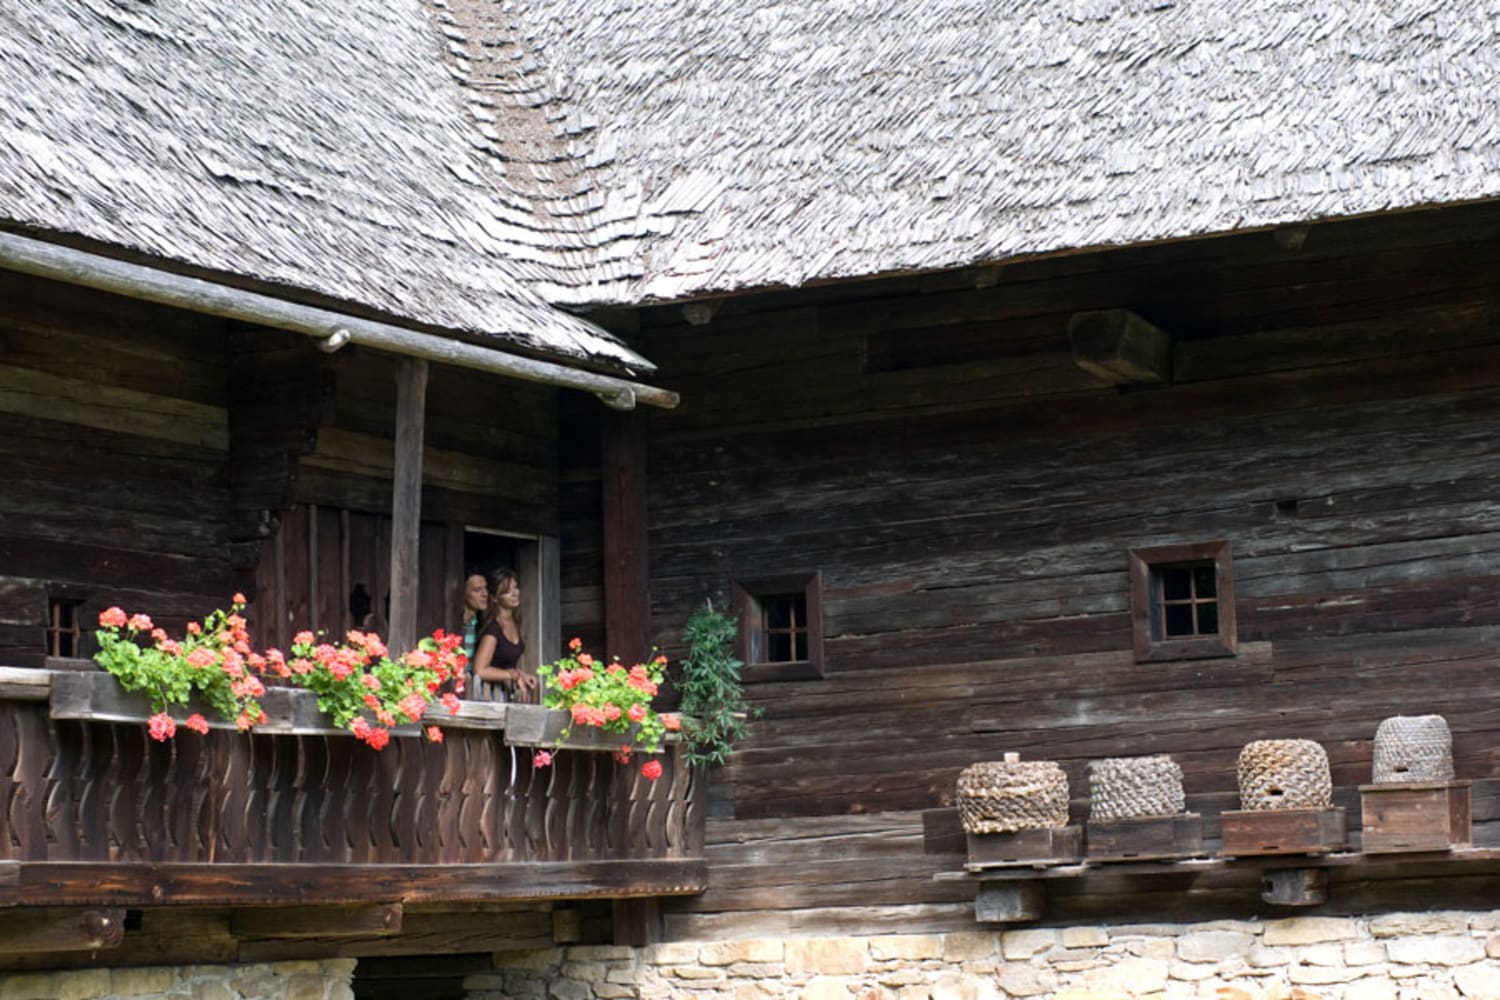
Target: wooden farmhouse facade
1081 385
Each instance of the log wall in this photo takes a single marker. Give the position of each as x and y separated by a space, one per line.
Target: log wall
969 494
114 478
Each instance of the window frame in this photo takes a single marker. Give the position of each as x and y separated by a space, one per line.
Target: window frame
747 595
1145 564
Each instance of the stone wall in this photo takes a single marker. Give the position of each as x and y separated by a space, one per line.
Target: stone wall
322 980
1397 956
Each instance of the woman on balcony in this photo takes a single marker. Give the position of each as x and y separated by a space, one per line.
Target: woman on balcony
498 674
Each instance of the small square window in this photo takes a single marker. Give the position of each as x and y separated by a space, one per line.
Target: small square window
1182 601
64 629
781 626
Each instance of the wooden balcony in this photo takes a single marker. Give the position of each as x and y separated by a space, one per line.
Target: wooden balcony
94 813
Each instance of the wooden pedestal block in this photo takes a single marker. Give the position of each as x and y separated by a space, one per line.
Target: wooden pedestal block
1057 846
1010 902
1150 838
1283 831
1415 816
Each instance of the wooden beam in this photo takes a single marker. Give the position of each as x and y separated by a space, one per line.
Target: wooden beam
637 922
67 883
25 684
627 601
280 923
406 505
28 931
1120 347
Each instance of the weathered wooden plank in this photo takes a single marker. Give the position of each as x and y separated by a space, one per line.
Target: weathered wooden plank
25 931
67 884
406 506
355 920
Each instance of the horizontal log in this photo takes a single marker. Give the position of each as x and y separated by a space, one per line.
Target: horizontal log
54 883
25 931
359 920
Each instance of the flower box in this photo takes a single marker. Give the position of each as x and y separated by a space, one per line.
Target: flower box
535 726
95 696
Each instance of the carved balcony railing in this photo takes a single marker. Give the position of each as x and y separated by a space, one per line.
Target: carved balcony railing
85 793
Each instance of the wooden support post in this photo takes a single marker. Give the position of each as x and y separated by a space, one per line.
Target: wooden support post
627 603
29 931
1120 347
281 923
637 922
1010 902
406 506
1295 887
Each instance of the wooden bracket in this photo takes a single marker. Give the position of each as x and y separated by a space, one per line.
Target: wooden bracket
1295 886
30 931
1120 347
1010 902
282 923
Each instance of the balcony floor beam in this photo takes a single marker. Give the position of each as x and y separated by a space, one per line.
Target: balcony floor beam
100 884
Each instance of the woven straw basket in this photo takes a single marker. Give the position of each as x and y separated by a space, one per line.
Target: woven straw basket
1284 774
1134 788
1003 796
1413 748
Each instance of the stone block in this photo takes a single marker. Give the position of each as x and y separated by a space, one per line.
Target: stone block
826 988
84 984
1406 924
1481 981
569 989
756 970
1428 989
1025 981
1083 937
956 987
306 986
906 947
747 950
1309 930
140 982
1322 954
759 991
902 977
1322 975
671 953
969 946
1492 946
1190 972
826 956
1128 975
31 986
1364 953
696 973
1213 946
585 972
1371 989
873 993
621 974
1023 944
1158 948
1449 950
613 991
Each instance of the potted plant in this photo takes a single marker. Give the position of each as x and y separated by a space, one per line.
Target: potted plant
212 669
713 697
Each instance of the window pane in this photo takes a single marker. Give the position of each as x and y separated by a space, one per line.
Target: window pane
801 645
778 611
778 647
1206 580
1175 585
1178 619
1208 618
